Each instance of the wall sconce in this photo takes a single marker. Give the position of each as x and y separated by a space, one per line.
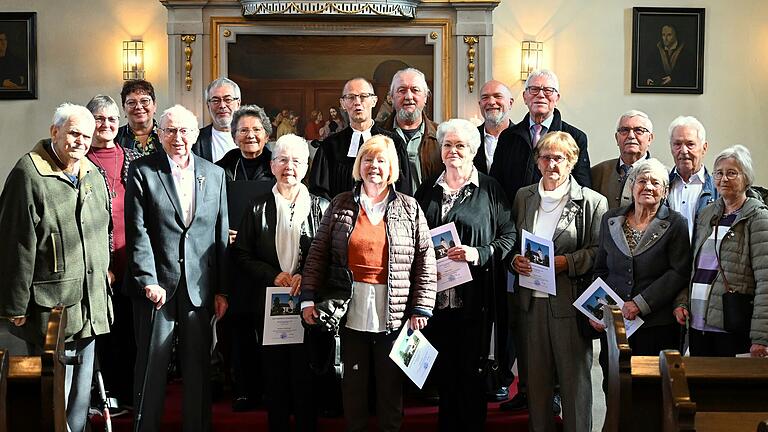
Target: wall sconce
530 57
133 60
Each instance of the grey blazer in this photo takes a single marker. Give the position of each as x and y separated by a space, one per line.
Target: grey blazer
658 269
582 200
161 248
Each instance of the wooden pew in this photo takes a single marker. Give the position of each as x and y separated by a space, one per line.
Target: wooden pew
36 384
672 393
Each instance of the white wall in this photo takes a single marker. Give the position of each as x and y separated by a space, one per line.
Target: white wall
78 56
588 44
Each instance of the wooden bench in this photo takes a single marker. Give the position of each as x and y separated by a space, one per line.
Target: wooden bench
672 393
35 384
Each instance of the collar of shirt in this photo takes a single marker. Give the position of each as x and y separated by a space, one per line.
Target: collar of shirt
176 168
375 211
473 178
620 162
354 143
489 147
699 177
547 123
416 135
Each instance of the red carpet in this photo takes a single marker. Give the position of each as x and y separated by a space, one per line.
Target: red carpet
418 418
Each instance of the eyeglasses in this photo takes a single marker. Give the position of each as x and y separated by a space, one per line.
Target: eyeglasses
638 131
133 103
351 97
548 91
730 174
226 99
180 131
557 159
460 147
246 131
102 119
285 161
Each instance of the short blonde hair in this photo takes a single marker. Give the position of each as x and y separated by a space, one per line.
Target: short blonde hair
378 145
558 141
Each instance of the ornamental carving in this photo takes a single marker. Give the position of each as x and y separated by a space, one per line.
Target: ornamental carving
378 8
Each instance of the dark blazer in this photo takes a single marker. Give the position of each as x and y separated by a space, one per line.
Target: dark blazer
579 252
254 252
513 162
656 272
161 248
331 172
202 147
607 180
480 163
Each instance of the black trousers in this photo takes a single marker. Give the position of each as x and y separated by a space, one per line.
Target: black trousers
289 387
116 350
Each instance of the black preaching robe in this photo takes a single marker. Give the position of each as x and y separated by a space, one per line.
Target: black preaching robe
331 172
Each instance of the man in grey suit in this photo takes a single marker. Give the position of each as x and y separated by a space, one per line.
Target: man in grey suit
176 234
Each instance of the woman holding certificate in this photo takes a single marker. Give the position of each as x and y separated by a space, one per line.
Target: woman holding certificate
465 314
644 256
274 237
728 296
559 209
373 242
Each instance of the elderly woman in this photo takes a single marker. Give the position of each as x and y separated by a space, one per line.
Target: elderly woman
273 240
140 134
251 160
644 255
374 242
730 259
113 161
464 314
558 208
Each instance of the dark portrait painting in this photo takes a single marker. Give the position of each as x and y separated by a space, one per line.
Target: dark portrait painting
668 50
18 55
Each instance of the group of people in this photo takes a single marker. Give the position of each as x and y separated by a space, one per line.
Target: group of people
135 229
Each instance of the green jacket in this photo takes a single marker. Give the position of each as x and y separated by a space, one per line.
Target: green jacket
744 258
55 247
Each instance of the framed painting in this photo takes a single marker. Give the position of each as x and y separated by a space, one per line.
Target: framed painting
18 55
667 50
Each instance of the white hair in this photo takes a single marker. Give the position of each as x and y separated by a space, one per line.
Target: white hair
221 82
68 110
742 156
183 115
418 73
289 142
691 122
544 73
636 113
654 168
464 129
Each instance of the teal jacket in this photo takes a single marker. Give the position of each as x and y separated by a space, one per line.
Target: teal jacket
55 247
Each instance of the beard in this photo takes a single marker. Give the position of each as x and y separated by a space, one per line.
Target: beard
407 116
496 119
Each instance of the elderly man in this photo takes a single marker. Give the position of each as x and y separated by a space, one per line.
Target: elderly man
55 226
409 93
215 140
513 165
495 103
176 232
691 187
634 135
332 165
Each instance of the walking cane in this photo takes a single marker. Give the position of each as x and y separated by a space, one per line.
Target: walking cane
140 411
104 402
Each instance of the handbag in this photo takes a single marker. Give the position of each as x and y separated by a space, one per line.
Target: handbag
737 307
332 306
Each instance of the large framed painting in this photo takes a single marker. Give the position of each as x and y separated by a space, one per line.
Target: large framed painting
667 50
18 55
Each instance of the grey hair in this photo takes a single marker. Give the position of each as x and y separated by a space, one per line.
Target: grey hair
743 157
220 82
68 110
368 83
182 114
251 111
691 122
290 141
636 113
464 129
655 168
101 103
418 73
543 73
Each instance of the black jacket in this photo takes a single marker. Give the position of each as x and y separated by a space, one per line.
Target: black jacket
202 147
513 163
480 163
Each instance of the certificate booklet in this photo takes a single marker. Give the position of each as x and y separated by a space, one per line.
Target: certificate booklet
282 317
413 353
541 253
450 273
598 294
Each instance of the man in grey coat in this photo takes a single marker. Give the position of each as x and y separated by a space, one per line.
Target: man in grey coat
176 233
55 226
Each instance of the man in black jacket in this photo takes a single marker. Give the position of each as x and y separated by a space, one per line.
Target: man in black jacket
215 140
495 103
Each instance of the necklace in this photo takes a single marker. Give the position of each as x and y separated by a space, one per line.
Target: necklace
111 181
557 204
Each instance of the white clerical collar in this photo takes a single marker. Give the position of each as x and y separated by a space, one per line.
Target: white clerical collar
354 143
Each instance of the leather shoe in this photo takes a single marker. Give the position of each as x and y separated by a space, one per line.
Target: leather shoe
517 403
501 394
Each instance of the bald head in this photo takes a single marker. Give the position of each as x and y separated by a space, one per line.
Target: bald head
495 103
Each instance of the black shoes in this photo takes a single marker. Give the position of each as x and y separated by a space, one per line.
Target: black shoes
501 394
520 402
